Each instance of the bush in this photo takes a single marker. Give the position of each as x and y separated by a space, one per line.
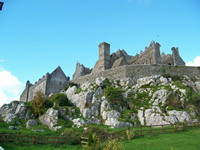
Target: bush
106 83
113 145
112 93
130 133
60 99
93 141
38 102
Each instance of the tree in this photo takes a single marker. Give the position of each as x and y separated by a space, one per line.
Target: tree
38 102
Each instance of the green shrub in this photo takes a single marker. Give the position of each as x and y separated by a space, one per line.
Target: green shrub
106 83
93 141
60 99
97 130
78 90
112 93
38 102
113 145
130 133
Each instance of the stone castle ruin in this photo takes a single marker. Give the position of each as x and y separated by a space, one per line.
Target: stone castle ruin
116 66
48 84
150 56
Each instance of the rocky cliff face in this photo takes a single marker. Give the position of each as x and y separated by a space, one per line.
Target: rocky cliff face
153 100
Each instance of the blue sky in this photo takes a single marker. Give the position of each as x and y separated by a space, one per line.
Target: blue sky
37 36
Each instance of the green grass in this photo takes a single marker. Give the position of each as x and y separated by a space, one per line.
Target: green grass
42 147
187 140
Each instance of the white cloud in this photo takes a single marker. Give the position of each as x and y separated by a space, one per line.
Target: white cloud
196 62
10 87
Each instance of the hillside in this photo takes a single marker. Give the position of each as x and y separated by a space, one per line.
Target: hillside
153 100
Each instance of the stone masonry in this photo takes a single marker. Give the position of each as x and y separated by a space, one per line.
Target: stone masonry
151 55
48 84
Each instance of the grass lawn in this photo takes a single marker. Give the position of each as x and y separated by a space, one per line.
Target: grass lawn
187 140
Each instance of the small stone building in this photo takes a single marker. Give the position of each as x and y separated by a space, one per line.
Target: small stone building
48 84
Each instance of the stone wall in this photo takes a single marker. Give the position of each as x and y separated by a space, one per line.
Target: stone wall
177 59
151 55
51 83
56 81
137 71
38 86
81 70
25 93
114 73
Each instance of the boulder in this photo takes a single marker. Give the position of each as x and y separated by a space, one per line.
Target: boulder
99 81
13 127
98 92
93 120
140 115
31 123
154 117
147 80
79 122
159 97
163 80
198 86
181 116
104 106
50 118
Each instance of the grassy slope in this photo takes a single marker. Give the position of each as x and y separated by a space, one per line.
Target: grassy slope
187 140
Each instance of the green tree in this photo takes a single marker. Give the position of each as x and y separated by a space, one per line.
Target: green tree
38 102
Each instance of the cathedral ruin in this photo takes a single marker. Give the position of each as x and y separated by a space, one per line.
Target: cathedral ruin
115 66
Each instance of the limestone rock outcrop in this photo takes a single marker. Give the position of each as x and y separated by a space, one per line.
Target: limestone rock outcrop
31 123
50 118
15 109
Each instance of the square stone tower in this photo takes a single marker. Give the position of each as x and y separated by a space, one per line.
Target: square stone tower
104 55
104 58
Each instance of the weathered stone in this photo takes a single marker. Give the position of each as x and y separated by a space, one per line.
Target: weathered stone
147 80
98 92
182 116
141 116
81 70
61 111
13 127
50 83
31 123
159 97
153 117
79 122
164 80
99 81
50 118
93 120
104 106
198 86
